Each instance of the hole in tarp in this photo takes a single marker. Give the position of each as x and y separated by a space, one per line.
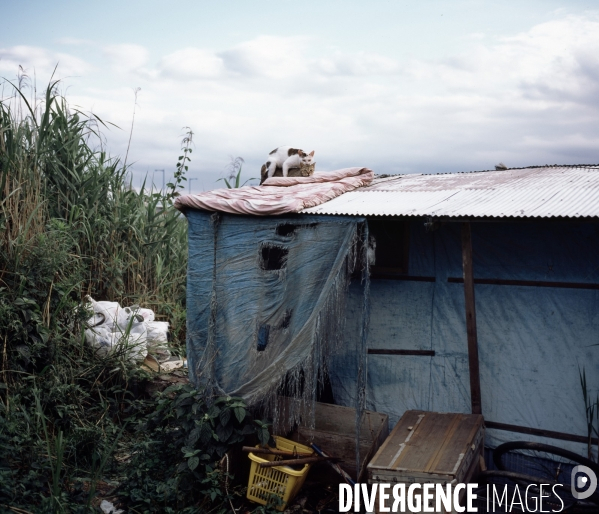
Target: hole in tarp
273 257
263 333
288 229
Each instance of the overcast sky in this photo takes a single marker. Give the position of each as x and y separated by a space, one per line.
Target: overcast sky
397 86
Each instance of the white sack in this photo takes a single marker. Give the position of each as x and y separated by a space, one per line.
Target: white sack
112 326
158 339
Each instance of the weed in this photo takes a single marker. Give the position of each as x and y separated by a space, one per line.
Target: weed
233 179
71 422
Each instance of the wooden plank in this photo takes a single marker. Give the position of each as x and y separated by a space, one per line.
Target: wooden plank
274 451
333 444
343 448
291 462
428 443
334 418
383 351
541 432
454 451
527 283
400 433
334 431
388 274
406 476
428 437
448 446
460 443
473 364
467 474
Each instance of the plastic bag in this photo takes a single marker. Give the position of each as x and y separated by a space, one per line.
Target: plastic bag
158 339
112 327
101 338
134 335
147 314
157 333
107 313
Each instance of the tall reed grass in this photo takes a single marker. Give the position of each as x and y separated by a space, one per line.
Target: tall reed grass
54 172
72 225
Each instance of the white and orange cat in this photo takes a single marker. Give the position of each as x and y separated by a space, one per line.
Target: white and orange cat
286 157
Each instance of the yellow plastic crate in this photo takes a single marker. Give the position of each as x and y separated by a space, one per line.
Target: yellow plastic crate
281 481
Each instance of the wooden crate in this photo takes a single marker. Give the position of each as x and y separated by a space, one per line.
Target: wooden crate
430 447
335 433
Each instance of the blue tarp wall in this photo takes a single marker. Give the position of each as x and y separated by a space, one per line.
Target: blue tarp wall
266 301
533 341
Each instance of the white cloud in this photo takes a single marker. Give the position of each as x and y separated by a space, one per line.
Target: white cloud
268 56
192 63
524 99
126 58
361 63
40 61
553 61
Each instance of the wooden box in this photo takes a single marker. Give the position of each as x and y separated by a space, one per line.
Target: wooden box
430 447
335 433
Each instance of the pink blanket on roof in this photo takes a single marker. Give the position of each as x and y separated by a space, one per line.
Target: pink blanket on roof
278 195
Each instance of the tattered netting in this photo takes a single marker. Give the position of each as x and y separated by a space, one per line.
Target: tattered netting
266 305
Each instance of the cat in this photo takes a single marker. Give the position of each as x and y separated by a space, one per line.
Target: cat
286 157
305 170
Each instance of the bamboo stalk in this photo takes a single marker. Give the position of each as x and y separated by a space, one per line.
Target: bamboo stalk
291 462
16 509
272 451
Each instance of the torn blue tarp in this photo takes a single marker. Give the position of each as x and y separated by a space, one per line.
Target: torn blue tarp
266 300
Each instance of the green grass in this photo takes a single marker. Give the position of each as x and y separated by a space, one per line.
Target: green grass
132 245
71 225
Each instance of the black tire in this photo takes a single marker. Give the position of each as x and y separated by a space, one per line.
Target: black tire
540 450
545 462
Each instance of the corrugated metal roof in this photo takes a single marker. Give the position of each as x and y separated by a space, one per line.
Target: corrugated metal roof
539 192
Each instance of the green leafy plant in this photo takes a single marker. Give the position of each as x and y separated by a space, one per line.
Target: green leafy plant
191 434
182 165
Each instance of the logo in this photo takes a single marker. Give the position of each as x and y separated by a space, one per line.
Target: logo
460 497
584 482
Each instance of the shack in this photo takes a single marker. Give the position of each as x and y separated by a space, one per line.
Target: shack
464 292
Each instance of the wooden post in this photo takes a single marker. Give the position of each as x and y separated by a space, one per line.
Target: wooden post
471 318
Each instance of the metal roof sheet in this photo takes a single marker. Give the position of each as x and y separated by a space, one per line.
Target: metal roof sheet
536 192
